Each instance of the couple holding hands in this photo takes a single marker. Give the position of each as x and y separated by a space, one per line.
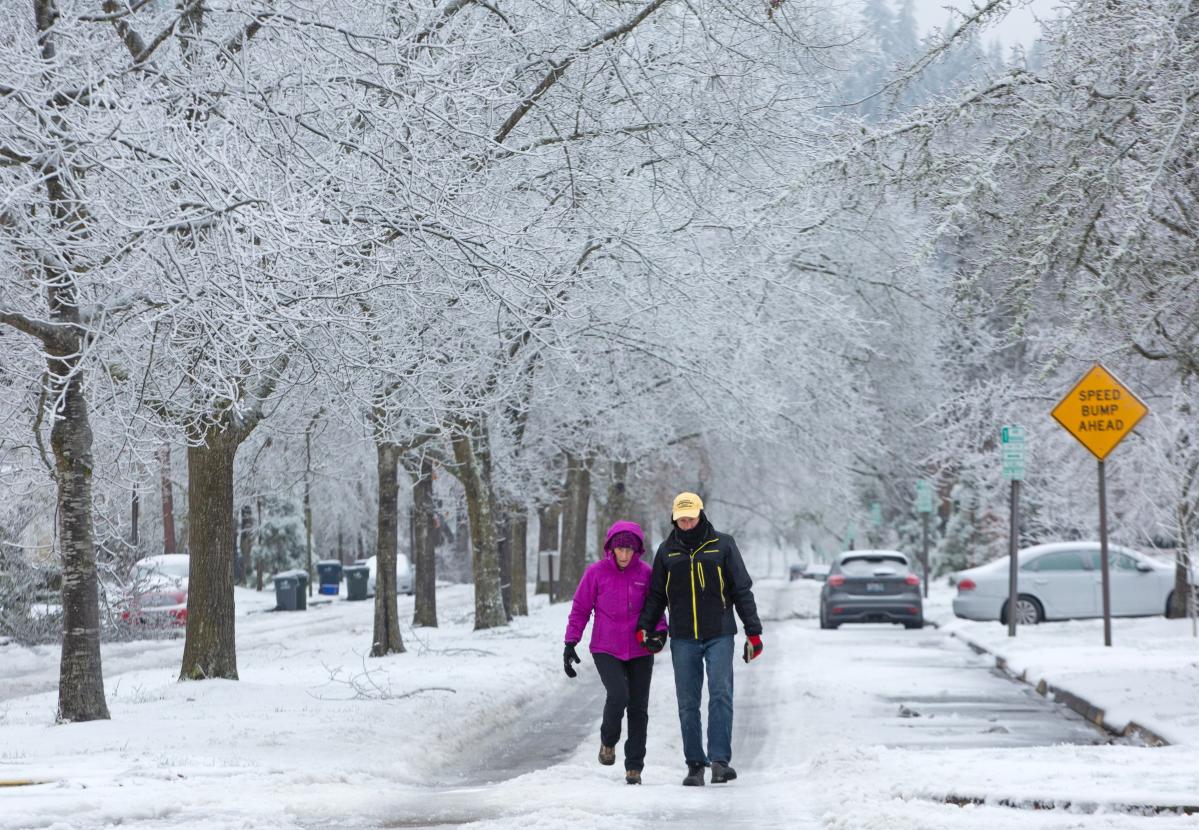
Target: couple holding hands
698 576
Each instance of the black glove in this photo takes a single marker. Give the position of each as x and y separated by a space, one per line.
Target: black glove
653 641
568 656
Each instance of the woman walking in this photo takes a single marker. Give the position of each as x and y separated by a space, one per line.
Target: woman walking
615 589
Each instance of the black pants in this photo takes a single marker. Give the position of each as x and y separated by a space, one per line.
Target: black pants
627 684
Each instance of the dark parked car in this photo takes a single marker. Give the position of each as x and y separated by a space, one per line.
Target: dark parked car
817 571
867 586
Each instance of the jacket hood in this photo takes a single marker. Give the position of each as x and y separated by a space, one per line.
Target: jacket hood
624 527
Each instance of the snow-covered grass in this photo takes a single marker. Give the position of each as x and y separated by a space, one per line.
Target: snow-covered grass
311 723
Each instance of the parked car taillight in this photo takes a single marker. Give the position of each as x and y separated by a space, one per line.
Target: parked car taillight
912 579
966 585
836 580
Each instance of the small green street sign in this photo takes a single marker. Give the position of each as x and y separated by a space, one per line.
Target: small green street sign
924 496
876 514
1012 441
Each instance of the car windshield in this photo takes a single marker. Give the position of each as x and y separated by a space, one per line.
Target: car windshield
872 566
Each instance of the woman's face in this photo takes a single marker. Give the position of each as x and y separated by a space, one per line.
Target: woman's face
623 556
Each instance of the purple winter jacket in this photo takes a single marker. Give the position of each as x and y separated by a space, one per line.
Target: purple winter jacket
616 597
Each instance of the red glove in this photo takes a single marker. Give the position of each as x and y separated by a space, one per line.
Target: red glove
753 647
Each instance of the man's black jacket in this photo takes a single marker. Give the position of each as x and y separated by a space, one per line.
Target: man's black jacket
700 586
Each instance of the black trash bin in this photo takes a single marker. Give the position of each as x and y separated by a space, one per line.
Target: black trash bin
302 591
357 577
328 573
285 591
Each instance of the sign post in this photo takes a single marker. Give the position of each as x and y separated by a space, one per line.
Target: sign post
924 506
1100 411
1012 439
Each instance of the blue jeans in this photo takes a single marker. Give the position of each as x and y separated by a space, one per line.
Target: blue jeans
689 658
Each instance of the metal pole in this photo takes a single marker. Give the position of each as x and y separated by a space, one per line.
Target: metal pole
924 556
1103 565
551 570
1013 590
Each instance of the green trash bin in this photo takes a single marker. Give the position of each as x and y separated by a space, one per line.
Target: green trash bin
285 591
302 591
357 577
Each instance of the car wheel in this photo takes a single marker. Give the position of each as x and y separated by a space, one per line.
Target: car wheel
824 623
918 624
1028 611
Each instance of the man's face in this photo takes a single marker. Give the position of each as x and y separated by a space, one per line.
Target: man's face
686 522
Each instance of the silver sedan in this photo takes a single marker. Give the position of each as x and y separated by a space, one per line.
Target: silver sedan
1063 581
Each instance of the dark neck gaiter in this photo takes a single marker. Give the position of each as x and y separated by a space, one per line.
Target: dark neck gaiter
694 537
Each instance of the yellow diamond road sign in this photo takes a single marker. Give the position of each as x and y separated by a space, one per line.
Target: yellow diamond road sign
1099 411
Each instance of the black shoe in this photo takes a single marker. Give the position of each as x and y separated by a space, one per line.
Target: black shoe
722 773
632 776
607 755
695 776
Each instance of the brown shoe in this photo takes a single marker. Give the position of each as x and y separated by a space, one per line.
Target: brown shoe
607 755
632 776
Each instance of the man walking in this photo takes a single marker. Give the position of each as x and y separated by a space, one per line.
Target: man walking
698 574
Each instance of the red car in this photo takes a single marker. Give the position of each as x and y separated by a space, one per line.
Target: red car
158 592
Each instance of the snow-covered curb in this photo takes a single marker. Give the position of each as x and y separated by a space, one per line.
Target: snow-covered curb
1145 687
1072 700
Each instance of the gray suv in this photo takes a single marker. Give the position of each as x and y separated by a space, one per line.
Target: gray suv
868 586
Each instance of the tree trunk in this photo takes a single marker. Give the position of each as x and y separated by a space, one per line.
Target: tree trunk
504 556
489 604
424 548
518 536
574 525
387 639
245 545
81 679
615 507
461 558
308 511
1181 598
547 540
169 544
135 514
1186 511
81 676
210 648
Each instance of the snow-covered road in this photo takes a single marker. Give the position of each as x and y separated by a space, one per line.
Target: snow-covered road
817 700
862 728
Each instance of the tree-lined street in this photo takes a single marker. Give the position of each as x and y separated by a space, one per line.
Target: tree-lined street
341 340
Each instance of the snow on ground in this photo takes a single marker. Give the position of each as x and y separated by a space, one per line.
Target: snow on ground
865 727
1149 676
312 718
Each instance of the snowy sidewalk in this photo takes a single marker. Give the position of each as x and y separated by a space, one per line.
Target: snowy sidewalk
1149 678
